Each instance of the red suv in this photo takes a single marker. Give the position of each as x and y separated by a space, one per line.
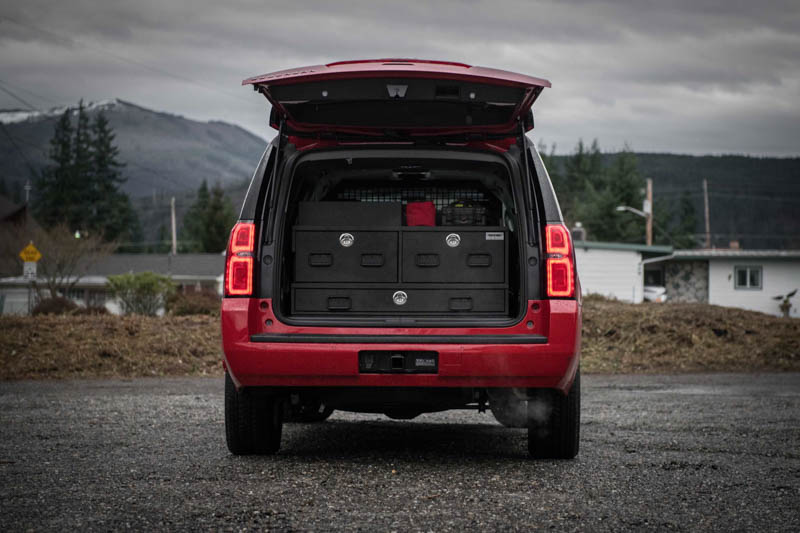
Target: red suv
400 250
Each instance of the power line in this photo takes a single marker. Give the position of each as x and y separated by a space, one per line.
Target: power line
739 195
18 149
18 98
23 89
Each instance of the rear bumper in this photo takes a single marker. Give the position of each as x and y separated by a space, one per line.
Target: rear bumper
546 354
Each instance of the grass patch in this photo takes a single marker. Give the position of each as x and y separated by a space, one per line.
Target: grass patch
617 338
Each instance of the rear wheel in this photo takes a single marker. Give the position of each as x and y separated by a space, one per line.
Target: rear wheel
253 423
554 423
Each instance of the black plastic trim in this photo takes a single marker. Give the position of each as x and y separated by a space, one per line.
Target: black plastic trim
552 211
397 339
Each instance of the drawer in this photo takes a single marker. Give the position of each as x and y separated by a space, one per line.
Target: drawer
345 256
477 257
381 301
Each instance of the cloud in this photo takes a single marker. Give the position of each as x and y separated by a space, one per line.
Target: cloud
689 76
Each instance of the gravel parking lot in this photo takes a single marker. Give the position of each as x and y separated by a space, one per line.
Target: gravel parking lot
690 452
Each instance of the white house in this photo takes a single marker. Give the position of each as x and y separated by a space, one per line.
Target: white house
188 271
748 279
614 269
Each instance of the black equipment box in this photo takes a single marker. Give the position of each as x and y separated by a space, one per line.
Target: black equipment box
354 214
357 258
463 216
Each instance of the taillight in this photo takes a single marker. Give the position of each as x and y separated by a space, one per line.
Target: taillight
559 265
239 264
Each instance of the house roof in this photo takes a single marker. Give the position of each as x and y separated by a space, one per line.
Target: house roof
625 246
181 267
685 255
193 265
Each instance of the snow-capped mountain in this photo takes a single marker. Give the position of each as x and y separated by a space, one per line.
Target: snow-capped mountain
164 153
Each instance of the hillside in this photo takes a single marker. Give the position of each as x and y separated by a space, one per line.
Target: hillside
754 200
165 153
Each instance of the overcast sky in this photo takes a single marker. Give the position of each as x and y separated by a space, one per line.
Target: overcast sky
668 76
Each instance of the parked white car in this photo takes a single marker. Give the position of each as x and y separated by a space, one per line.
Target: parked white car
654 293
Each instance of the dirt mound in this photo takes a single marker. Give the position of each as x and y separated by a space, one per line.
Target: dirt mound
108 346
617 338
621 338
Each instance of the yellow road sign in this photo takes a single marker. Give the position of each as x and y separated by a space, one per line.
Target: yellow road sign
30 253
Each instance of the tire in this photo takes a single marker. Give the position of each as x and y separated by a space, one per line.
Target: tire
253 424
554 423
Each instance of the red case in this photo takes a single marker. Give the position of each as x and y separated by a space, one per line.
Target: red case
420 214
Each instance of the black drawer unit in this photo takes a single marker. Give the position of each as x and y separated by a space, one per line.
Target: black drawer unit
382 301
454 255
346 255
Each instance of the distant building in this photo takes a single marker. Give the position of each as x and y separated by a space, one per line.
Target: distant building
748 279
190 272
614 269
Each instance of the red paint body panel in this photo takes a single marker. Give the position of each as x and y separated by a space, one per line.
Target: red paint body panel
410 68
550 365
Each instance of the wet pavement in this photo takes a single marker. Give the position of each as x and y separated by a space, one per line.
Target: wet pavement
693 452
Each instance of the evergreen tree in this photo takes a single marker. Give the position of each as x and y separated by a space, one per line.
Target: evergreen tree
551 164
686 228
193 234
582 169
3 187
80 186
53 185
619 184
111 212
163 242
219 222
662 213
79 211
208 222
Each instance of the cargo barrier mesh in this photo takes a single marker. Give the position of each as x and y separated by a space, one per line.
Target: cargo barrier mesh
440 195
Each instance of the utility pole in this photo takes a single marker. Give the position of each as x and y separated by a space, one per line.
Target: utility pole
649 211
28 192
174 236
708 218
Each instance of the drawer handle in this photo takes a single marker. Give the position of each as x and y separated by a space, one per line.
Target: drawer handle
372 260
427 260
320 260
479 260
339 303
461 304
